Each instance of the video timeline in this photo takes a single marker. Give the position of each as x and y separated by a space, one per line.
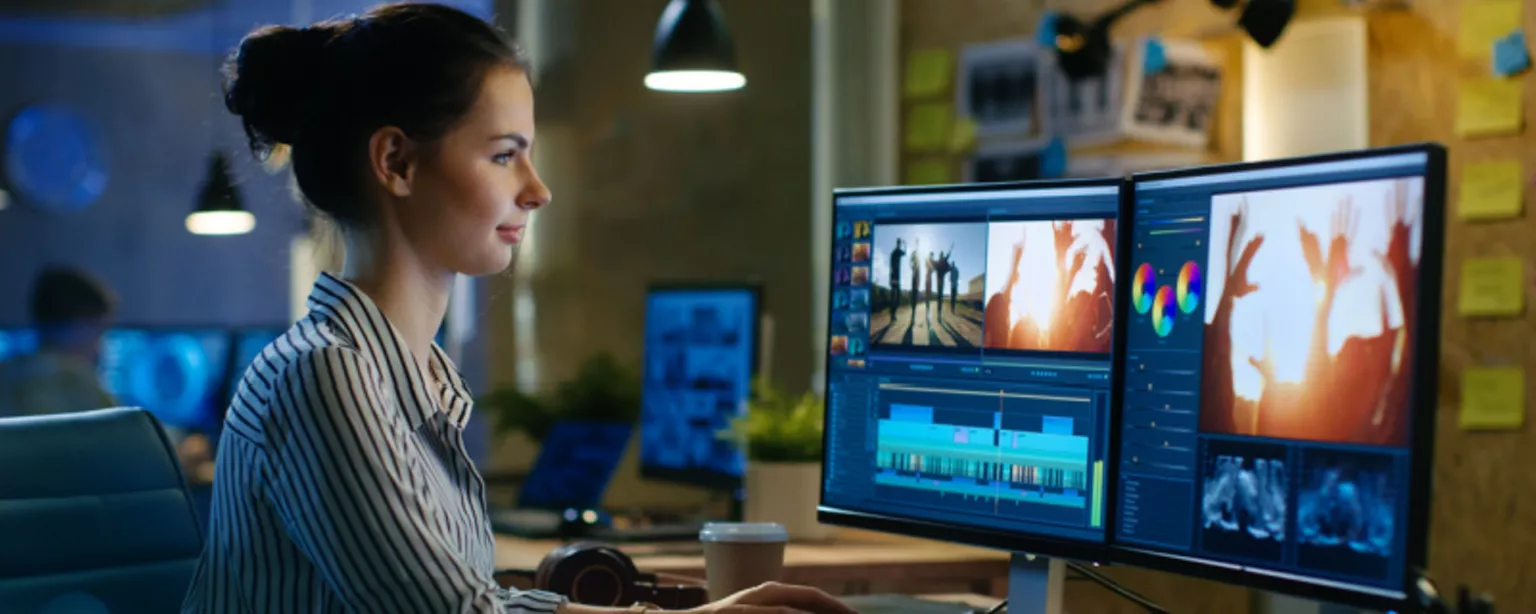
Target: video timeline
998 453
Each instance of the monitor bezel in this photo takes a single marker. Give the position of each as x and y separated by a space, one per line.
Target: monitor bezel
1421 403
1043 545
709 480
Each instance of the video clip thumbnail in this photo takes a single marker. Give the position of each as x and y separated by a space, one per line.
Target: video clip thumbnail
859 299
861 252
1051 286
928 282
1345 512
1243 499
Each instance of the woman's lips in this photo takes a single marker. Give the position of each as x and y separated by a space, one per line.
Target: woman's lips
510 233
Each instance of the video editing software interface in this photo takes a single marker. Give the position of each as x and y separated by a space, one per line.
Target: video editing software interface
970 355
1268 359
700 350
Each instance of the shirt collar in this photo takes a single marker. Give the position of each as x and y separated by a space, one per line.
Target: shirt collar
348 307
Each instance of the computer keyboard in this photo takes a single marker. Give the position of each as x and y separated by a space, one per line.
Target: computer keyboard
687 531
526 523
903 604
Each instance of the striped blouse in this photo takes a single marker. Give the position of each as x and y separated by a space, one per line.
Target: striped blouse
342 483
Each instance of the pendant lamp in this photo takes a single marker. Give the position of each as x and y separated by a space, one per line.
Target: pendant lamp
219 210
693 51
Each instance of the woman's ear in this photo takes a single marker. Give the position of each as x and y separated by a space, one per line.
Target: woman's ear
392 160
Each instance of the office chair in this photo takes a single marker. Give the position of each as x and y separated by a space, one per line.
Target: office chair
94 515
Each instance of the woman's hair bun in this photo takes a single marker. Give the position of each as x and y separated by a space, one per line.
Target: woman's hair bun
273 80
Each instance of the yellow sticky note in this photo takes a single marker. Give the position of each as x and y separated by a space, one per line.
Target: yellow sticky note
1492 287
1488 107
928 126
1491 190
963 137
1482 23
928 172
1493 398
929 72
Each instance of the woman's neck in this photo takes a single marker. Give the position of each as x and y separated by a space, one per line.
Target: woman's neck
412 294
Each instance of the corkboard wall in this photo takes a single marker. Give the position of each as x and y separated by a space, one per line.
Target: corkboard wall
952 24
1483 517
1483 526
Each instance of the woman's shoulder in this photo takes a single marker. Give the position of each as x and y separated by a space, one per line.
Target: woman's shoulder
310 364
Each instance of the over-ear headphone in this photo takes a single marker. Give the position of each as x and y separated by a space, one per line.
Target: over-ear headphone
601 575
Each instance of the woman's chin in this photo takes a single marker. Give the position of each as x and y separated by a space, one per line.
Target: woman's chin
492 262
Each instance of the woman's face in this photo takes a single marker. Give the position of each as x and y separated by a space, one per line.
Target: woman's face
473 190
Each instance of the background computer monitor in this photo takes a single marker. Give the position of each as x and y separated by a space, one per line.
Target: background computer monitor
178 374
700 359
17 341
575 464
1269 438
969 371
246 345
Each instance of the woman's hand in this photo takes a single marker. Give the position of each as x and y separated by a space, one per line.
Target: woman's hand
776 598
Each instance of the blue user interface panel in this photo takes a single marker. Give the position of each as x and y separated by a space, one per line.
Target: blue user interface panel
176 374
700 354
576 462
970 355
1269 352
17 342
248 344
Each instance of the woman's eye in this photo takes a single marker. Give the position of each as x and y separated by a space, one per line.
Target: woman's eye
503 158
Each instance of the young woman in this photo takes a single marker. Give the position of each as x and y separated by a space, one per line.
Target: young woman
342 482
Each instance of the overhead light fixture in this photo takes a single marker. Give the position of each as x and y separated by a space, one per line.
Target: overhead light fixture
219 210
693 51
1082 48
1265 20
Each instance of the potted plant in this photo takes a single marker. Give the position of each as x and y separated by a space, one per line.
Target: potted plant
603 390
782 435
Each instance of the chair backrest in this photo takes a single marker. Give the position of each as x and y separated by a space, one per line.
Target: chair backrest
95 515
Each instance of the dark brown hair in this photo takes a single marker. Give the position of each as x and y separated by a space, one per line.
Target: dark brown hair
65 295
324 89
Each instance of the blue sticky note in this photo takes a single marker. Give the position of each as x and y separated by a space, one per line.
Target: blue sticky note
1155 57
1510 55
1053 161
1045 33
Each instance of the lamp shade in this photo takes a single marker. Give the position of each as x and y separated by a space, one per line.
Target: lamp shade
219 210
693 51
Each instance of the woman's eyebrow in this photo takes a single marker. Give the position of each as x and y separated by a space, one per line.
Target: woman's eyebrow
517 139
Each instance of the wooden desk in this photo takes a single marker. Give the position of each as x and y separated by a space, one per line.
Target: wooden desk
856 563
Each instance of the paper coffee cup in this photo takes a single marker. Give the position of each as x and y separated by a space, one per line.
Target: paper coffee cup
741 555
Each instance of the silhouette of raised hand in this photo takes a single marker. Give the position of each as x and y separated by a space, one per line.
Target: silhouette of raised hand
1346 223
1396 258
1013 271
1238 285
1266 365
1063 238
1237 228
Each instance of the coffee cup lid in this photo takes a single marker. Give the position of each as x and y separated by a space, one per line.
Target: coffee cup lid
743 532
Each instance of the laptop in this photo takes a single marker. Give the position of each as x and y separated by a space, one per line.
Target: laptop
568 480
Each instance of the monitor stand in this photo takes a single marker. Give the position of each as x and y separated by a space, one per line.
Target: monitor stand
1036 585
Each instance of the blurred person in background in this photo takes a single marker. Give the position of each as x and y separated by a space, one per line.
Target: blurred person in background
70 311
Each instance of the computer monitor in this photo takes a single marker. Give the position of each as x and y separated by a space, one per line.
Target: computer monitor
17 341
177 374
575 464
700 359
246 345
1280 345
969 370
